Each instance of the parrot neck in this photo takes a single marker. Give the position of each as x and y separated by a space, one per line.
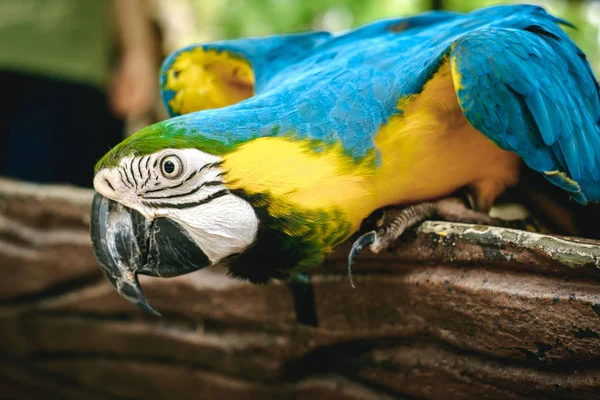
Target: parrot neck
299 238
307 201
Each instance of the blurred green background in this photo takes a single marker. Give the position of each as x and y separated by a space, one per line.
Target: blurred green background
206 20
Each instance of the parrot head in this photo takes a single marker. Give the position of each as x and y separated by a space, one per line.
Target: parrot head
164 213
169 203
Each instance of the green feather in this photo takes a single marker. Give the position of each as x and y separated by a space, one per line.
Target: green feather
290 243
160 136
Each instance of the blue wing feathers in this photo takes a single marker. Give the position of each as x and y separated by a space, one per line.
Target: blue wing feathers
525 85
545 83
539 111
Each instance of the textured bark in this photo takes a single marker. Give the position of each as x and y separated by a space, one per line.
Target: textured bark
455 311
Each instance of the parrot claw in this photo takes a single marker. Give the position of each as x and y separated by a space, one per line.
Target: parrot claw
359 244
393 224
396 221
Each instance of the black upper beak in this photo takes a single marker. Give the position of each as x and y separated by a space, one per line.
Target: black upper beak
127 244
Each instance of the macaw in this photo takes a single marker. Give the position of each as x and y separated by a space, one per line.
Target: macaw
278 147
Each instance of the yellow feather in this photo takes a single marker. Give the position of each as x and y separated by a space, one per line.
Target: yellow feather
431 150
297 176
428 151
203 79
456 76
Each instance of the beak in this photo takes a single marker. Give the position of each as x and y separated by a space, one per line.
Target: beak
127 244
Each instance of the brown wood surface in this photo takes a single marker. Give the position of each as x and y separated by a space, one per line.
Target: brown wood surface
455 312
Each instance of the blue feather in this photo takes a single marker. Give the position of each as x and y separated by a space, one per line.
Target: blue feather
539 110
548 92
525 85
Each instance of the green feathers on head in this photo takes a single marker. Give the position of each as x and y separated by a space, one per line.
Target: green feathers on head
167 134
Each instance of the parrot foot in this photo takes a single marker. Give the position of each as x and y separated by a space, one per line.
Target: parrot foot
396 221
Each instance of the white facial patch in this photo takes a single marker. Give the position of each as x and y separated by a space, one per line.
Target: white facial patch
185 186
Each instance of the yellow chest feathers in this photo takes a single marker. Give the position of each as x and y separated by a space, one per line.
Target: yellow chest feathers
427 152
292 173
431 150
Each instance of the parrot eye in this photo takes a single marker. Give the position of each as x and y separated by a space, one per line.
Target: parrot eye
171 167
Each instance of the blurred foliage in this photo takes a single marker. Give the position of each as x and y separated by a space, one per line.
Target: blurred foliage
226 19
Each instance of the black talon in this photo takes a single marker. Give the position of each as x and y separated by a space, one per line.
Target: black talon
359 244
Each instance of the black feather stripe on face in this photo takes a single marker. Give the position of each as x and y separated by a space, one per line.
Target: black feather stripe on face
276 251
273 254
